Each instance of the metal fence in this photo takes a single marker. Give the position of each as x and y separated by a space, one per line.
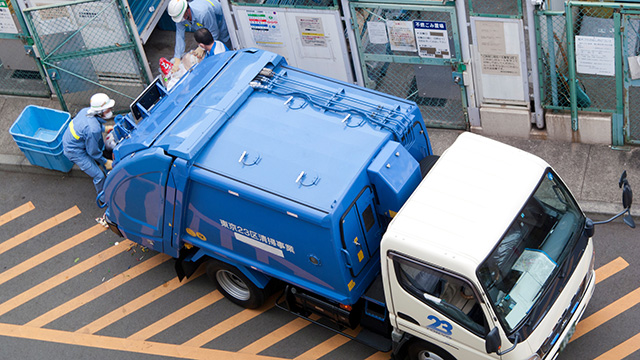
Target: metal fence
496 8
631 58
397 67
20 74
88 47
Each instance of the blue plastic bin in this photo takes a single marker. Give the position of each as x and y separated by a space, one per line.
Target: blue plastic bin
38 133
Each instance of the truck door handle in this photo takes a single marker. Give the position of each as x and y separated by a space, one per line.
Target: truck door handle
347 257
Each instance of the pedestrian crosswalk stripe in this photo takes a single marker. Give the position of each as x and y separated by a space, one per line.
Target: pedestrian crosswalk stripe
328 345
277 335
610 269
623 350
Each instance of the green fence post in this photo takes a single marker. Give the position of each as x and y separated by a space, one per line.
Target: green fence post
617 118
571 54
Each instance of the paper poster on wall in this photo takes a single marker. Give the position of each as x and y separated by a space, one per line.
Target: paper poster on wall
501 64
490 35
311 31
595 55
432 39
377 31
7 25
401 36
265 28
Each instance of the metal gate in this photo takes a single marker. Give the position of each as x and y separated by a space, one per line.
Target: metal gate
631 58
89 46
589 55
20 74
413 52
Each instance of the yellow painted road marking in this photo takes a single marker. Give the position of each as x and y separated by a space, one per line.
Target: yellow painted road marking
614 309
16 213
277 335
50 253
609 312
62 277
228 324
98 291
623 350
39 229
380 356
328 346
126 345
177 316
136 304
610 269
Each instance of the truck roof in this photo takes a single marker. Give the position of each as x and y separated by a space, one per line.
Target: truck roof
291 133
465 203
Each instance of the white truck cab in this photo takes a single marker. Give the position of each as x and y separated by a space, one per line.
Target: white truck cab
488 259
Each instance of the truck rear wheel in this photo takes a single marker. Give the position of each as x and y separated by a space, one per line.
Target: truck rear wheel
234 285
422 350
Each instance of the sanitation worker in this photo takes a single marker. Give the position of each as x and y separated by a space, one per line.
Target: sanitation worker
195 15
206 45
83 143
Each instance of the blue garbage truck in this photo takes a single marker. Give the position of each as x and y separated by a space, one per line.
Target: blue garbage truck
267 174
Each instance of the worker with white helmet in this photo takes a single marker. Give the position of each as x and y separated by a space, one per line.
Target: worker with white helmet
83 143
195 15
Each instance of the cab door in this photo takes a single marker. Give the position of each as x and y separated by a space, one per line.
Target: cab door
440 307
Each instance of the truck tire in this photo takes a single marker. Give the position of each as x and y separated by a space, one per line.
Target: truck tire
422 350
234 285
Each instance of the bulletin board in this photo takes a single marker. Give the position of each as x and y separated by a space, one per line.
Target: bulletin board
500 60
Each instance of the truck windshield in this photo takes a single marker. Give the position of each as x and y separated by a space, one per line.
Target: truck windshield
532 251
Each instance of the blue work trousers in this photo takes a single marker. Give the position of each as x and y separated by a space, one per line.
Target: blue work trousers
89 166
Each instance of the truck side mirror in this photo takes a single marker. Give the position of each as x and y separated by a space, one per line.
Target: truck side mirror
492 341
627 200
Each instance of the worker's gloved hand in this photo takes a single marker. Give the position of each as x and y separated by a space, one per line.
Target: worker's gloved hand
108 165
108 128
199 52
176 65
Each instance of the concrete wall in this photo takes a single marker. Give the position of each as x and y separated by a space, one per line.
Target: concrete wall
593 128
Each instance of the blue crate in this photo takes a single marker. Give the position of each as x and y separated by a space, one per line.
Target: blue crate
40 126
46 160
38 133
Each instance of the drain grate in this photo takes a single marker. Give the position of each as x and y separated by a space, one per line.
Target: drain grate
25 74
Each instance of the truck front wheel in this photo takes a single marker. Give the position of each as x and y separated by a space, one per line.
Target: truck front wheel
422 350
234 285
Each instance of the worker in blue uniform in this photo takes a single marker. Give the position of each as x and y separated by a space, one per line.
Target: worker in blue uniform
206 44
195 15
82 141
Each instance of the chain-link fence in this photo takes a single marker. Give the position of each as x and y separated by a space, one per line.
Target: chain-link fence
496 8
631 57
595 84
88 47
19 71
395 63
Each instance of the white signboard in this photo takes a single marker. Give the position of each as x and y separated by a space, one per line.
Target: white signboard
266 28
595 55
7 25
401 36
311 31
432 39
377 31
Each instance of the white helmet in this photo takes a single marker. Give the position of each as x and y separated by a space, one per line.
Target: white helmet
100 102
176 9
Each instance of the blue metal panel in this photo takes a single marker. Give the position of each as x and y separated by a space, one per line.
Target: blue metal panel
142 12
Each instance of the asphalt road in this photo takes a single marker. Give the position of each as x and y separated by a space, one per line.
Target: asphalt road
70 289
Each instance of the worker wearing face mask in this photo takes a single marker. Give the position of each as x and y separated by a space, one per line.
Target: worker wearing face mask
82 141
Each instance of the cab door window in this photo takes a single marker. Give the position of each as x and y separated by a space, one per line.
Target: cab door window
447 294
